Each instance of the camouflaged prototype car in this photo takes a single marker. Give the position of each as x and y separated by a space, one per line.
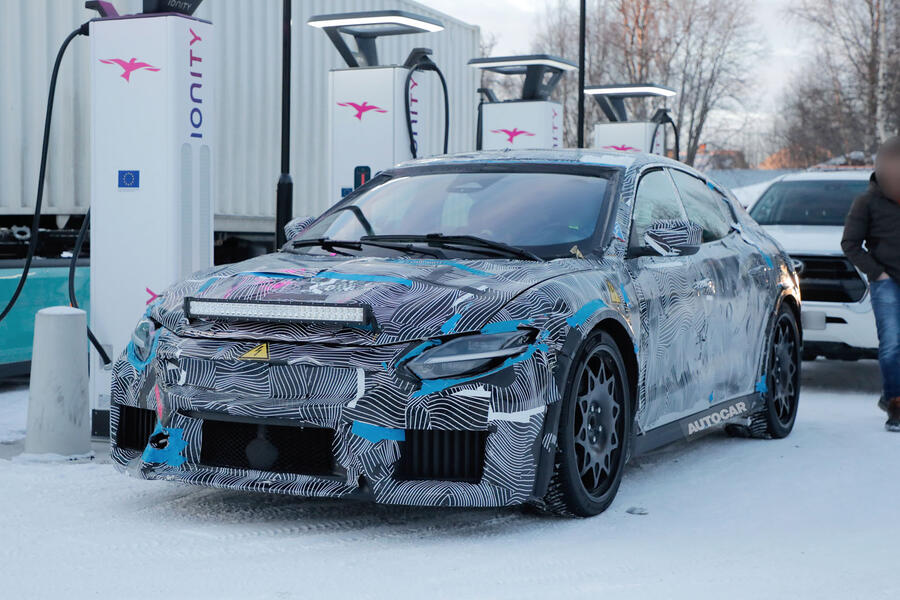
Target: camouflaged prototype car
473 330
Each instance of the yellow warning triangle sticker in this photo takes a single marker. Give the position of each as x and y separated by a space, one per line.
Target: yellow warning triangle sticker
261 352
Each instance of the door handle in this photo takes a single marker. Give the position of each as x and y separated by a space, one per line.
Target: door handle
704 286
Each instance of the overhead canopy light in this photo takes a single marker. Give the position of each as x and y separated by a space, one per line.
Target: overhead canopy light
281 312
630 90
380 22
518 64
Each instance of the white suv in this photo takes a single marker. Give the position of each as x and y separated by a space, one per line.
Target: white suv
805 212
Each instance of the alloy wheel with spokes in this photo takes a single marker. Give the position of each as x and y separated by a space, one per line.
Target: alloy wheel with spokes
783 375
593 430
784 371
597 427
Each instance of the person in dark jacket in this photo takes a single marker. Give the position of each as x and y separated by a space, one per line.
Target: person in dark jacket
874 219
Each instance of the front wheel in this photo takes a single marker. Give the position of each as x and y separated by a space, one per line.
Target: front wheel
593 431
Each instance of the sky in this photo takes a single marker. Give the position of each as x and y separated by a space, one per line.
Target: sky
514 22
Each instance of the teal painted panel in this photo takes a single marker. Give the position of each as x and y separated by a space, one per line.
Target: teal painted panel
46 286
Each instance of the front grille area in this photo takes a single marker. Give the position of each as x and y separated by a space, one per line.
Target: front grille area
277 448
135 427
830 279
442 455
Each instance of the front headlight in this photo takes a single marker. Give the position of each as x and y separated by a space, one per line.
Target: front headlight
469 355
142 339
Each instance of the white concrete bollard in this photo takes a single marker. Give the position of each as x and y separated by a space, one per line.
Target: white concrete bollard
59 414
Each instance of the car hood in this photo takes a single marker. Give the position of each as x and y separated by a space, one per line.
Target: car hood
808 239
410 299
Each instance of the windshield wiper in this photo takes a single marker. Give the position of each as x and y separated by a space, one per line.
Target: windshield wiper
327 244
472 242
333 246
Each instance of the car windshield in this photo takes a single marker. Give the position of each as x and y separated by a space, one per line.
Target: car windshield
823 202
544 213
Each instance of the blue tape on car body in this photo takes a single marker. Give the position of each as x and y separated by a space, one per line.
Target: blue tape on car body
376 433
585 312
171 454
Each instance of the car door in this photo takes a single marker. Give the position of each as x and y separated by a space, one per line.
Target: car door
758 280
725 294
671 316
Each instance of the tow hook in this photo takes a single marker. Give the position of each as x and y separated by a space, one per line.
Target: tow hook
159 441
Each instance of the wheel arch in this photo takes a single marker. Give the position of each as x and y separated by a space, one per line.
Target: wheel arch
794 305
627 346
613 324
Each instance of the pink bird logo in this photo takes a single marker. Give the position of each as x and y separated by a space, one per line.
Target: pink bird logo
129 67
622 148
361 109
512 135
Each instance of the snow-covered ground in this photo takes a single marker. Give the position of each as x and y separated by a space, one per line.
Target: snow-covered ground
811 516
13 411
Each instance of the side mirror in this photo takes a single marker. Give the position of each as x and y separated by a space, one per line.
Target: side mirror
674 237
297 226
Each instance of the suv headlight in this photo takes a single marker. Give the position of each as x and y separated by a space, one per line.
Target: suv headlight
469 354
142 339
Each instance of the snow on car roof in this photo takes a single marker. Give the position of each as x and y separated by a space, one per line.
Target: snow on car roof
830 175
568 155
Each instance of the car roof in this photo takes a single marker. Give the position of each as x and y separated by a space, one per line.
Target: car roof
829 175
584 156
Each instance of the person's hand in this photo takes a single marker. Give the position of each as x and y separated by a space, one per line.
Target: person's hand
883 276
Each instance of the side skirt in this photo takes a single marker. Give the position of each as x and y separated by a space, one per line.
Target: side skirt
678 430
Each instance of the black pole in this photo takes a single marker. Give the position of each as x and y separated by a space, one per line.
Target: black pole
285 195
581 75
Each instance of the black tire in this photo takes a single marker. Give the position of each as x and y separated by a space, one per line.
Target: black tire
594 431
782 377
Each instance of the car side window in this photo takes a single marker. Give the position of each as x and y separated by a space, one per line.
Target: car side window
703 206
656 199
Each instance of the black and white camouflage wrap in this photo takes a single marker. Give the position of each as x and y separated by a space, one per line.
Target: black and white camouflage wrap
681 340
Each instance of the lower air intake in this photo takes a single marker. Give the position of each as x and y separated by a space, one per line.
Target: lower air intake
135 427
276 448
442 455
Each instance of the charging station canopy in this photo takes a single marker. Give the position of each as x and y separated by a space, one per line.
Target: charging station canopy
366 26
530 121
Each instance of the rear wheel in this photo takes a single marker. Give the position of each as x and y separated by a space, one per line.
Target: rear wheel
782 378
593 436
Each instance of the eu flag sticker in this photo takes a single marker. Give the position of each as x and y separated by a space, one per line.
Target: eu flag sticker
129 180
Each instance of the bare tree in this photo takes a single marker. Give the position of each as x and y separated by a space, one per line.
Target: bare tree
702 48
859 72
558 35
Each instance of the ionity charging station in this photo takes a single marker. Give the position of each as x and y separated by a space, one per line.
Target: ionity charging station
151 168
379 115
630 136
530 121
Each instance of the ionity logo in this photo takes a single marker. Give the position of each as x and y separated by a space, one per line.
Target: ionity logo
129 67
622 148
512 134
362 109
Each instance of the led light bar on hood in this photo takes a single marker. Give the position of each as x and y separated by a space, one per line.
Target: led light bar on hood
278 312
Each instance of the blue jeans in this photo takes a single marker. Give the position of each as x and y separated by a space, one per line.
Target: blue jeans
886 306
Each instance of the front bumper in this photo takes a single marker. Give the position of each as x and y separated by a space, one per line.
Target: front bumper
839 329
477 443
